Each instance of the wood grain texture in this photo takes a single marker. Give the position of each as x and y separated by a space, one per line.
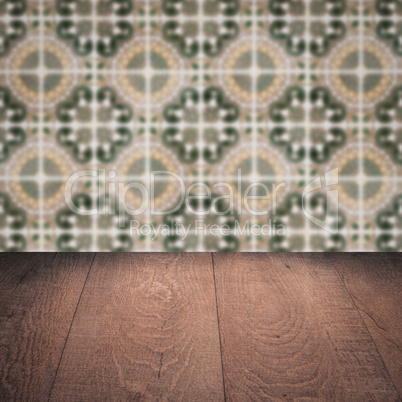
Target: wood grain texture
374 282
146 329
35 319
15 266
289 330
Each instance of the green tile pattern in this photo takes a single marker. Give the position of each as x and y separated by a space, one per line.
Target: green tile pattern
256 94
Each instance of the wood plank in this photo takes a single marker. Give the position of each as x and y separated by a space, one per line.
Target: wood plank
14 267
35 320
290 330
146 328
374 281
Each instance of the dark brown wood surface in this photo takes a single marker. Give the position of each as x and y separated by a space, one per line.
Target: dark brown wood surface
200 327
35 320
14 269
374 282
289 329
147 327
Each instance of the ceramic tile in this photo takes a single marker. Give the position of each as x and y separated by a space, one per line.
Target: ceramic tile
286 110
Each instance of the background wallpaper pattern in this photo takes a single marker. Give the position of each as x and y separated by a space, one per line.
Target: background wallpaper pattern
282 91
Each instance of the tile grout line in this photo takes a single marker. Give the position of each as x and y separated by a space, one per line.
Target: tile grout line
294 231
69 329
94 122
238 71
239 18
361 62
219 328
200 108
148 114
307 108
41 88
270 124
254 108
368 179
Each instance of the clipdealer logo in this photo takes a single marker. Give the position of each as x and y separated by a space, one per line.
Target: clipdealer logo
243 204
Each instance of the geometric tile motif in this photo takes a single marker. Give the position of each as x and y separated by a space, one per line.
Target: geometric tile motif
259 95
